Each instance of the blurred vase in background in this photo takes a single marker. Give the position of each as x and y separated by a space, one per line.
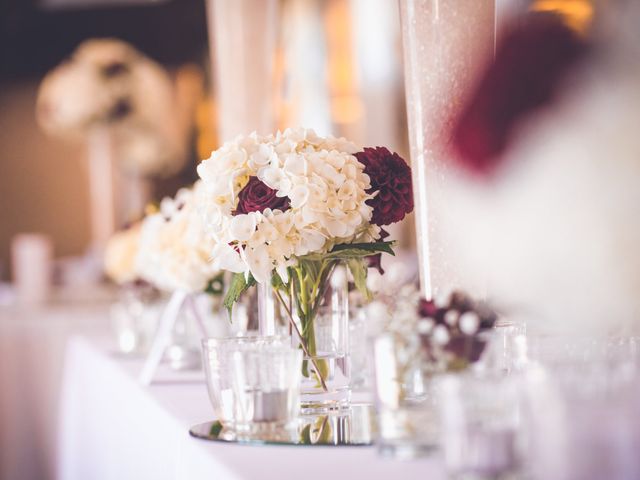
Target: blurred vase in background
446 46
134 118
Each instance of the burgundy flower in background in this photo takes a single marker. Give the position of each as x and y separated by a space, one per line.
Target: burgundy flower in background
257 196
427 308
391 178
531 61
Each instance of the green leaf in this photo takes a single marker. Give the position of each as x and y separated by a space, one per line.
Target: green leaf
358 271
322 371
349 253
276 282
319 432
305 435
311 268
237 287
346 251
216 428
372 247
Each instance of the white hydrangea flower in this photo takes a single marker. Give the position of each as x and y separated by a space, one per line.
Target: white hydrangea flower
175 251
325 187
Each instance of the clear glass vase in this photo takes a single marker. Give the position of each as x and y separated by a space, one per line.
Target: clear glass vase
446 46
317 304
134 317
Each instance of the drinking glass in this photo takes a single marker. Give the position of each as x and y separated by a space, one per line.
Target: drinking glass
253 382
134 318
582 408
480 419
405 398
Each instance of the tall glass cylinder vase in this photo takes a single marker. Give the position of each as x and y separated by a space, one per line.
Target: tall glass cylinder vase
446 45
243 39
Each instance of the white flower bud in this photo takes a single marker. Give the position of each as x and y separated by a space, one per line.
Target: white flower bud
451 317
425 326
469 323
441 335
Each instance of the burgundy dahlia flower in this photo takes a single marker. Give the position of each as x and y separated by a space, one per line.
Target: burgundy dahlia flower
391 178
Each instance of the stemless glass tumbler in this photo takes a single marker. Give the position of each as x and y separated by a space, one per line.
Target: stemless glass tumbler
480 425
253 382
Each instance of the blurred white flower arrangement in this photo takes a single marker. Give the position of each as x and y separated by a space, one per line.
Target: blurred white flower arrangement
108 84
174 251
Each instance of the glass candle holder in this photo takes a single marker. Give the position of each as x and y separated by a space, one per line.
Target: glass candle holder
134 318
582 401
480 426
253 382
405 401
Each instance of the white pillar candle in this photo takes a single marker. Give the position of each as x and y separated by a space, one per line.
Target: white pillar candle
31 263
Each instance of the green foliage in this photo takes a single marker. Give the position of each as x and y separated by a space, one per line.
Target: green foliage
237 287
216 428
371 248
309 278
358 271
352 250
215 286
317 433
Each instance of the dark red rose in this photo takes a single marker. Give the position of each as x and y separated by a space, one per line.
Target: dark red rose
531 61
391 178
256 196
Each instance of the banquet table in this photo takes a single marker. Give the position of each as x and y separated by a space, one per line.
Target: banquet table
112 427
33 341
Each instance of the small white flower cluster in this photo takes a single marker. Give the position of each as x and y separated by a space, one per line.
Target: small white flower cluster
451 332
325 186
174 252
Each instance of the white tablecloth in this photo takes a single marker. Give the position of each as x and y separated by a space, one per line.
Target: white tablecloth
113 428
32 348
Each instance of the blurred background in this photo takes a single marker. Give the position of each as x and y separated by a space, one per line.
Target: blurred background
107 106
336 67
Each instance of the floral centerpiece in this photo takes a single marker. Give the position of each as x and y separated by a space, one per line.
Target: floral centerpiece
108 84
286 209
174 256
174 252
447 335
419 341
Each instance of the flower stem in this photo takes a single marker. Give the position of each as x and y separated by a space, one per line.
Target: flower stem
302 342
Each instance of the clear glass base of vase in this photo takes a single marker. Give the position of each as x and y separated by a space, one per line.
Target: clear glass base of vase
410 430
335 394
